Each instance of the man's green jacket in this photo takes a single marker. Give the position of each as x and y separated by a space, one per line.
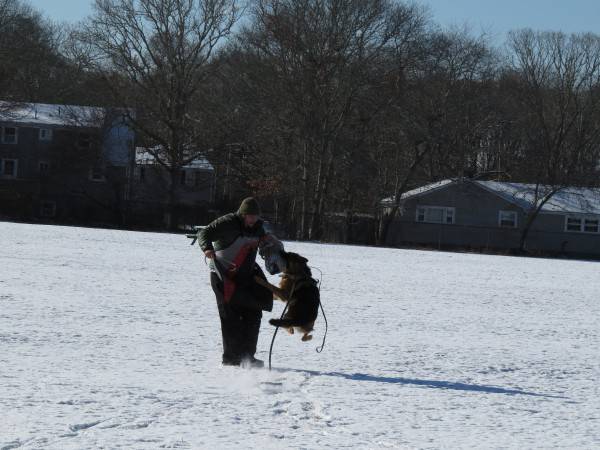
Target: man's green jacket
222 232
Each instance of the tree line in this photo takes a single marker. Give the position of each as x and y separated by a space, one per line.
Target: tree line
320 107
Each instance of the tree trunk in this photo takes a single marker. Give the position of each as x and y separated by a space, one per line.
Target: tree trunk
315 200
317 219
531 218
171 218
387 219
304 201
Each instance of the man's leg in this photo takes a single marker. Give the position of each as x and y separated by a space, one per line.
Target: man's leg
251 327
231 325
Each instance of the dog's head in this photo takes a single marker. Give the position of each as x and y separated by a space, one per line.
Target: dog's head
295 264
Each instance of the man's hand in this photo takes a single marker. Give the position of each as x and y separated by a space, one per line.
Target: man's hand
210 254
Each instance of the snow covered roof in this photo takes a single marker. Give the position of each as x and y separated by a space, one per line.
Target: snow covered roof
144 157
420 190
42 114
570 199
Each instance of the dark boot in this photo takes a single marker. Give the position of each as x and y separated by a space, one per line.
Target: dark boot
252 363
230 362
257 363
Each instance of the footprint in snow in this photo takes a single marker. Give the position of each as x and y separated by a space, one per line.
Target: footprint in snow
84 426
281 407
272 387
11 445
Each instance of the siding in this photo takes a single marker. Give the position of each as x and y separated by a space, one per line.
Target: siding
476 224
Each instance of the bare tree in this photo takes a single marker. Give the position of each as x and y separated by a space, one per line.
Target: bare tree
439 119
155 56
28 53
323 57
557 80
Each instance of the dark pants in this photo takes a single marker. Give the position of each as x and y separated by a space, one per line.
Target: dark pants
239 326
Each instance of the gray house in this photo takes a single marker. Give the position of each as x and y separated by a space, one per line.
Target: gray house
64 162
194 191
492 215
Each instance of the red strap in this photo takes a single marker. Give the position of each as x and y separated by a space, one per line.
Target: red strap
229 283
228 289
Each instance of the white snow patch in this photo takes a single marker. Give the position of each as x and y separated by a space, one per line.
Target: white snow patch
111 339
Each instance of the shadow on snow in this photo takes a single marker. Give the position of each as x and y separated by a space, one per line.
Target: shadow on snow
434 384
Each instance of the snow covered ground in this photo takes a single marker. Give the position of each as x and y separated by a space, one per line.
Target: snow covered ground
110 339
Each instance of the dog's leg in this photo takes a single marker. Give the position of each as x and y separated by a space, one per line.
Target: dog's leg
307 337
280 293
291 330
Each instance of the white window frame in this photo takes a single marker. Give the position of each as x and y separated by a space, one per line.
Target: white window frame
573 218
2 168
52 208
45 134
16 140
591 219
448 212
505 213
583 222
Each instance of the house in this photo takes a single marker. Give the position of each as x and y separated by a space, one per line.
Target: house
492 215
194 191
64 162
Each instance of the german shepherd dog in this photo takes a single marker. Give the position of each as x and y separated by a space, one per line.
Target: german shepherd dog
300 291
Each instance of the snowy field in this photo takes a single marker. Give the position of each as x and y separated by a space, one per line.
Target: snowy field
111 339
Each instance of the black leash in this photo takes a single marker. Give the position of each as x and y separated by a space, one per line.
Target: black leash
320 349
281 318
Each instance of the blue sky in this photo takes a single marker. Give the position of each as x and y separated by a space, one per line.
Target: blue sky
494 16
500 16
63 10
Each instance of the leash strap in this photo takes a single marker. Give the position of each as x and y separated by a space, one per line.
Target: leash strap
320 349
277 327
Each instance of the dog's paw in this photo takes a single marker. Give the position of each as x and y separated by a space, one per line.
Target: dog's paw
307 337
291 330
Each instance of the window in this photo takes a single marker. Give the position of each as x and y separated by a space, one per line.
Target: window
582 224
435 214
199 179
9 135
84 141
507 219
187 178
590 225
47 209
45 134
97 174
44 167
573 224
139 174
9 168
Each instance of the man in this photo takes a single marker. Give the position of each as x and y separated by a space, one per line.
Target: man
231 244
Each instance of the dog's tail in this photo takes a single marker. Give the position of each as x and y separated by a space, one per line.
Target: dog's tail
284 323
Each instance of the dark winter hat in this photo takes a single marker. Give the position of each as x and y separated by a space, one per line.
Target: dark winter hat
249 206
